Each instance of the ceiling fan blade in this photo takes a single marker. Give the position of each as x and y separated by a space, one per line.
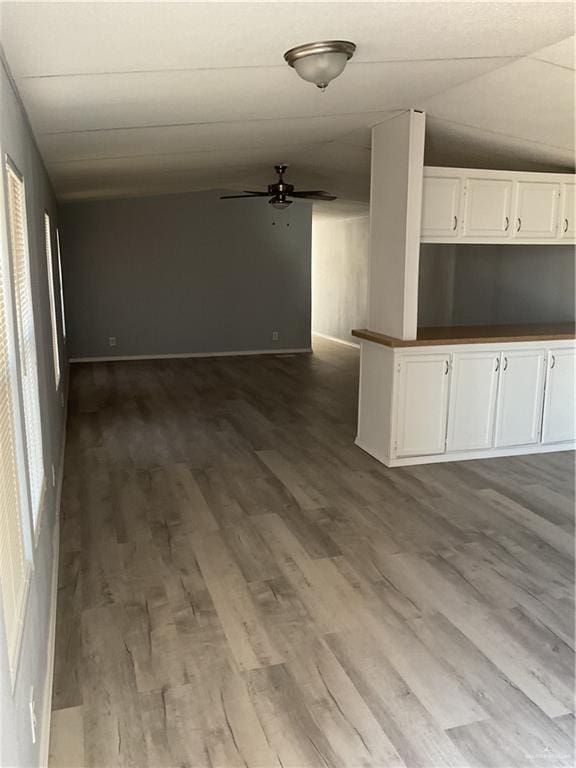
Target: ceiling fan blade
259 194
316 194
233 197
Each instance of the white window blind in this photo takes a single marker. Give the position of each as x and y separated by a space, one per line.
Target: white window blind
61 285
50 268
26 337
12 564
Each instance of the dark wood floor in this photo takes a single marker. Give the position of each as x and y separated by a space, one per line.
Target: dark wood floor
241 586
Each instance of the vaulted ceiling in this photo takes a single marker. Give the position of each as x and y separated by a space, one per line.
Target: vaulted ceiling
138 98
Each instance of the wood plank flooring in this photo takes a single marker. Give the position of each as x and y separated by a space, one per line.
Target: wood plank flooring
241 586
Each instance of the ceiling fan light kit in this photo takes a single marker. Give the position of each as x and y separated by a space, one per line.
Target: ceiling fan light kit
320 63
280 202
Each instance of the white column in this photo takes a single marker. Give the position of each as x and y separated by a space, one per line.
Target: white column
395 209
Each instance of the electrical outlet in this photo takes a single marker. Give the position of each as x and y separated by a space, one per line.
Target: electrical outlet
112 341
53 476
32 706
274 335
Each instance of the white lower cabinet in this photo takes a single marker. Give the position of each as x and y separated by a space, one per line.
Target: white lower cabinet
422 404
520 397
559 422
453 402
473 390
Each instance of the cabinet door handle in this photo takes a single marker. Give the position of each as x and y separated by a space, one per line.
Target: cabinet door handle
519 224
497 365
447 367
505 364
565 225
507 224
455 223
553 361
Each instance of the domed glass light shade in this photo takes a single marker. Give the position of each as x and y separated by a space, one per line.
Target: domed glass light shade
280 202
319 63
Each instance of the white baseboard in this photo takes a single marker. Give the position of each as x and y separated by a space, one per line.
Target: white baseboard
234 353
379 456
336 340
408 461
46 713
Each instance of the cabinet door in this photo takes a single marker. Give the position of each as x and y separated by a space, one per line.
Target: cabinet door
559 423
568 217
440 207
520 397
536 211
487 210
422 382
473 387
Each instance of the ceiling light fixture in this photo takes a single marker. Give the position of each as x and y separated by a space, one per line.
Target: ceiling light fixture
319 63
280 202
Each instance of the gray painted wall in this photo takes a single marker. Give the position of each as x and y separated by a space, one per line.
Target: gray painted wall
185 273
476 284
16 748
339 275
436 285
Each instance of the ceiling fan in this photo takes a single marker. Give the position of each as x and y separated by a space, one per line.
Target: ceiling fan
281 191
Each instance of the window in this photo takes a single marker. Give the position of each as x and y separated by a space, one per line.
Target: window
26 337
61 285
50 267
13 567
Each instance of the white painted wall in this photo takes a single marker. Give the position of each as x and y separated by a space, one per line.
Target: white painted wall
395 212
339 275
16 747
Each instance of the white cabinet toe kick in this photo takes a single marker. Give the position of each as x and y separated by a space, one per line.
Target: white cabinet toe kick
437 403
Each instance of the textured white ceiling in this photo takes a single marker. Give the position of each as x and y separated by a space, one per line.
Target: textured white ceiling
134 98
563 54
529 99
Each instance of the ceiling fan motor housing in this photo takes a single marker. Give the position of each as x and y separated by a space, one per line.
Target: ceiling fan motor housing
280 188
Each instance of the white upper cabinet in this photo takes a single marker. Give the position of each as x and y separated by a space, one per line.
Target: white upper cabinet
559 423
484 206
519 410
568 212
536 210
440 206
487 208
473 387
422 404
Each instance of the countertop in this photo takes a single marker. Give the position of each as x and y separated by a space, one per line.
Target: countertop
474 334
